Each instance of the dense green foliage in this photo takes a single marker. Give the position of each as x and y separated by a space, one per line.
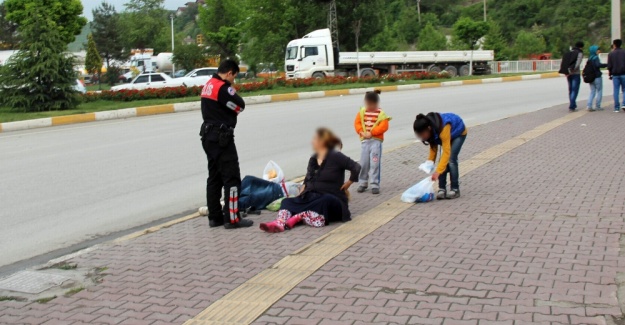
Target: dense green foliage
40 76
189 57
64 15
8 31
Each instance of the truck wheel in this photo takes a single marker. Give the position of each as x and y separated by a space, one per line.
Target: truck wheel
318 75
367 73
451 70
464 70
434 69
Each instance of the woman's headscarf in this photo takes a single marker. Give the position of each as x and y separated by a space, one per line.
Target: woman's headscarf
593 52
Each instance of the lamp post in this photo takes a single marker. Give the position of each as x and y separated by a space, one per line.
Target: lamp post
484 10
419 10
173 66
616 19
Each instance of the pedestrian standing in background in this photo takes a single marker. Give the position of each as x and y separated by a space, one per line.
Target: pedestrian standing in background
371 123
596 86
570 67
616 70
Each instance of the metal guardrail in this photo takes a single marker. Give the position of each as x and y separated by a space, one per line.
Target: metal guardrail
498 67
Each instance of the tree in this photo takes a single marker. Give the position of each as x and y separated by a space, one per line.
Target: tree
93 60
528 43
495 41
142 23
431 40
469 32
189 57
407 25
107 34
219 23
8 31
65 15
40 76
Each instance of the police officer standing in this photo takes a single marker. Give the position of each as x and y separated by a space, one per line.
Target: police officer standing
220 107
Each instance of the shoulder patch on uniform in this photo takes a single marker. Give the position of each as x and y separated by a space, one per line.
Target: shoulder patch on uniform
231 91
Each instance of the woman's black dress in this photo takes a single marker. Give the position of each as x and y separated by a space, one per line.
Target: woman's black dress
322 193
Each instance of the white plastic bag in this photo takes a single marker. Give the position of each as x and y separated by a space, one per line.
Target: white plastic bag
273 173
421 192
292 189
427 167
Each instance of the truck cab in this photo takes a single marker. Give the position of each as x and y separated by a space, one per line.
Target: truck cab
310 56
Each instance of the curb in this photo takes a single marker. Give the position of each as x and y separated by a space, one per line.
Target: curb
251 100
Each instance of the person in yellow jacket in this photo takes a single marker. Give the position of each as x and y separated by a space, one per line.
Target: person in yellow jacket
446 131
371 123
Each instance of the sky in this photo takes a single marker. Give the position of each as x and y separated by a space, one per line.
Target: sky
119 5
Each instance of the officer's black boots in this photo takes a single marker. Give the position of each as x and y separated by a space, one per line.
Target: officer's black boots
215 223
243 223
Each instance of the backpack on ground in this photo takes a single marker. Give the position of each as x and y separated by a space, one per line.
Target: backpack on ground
589 74
568 62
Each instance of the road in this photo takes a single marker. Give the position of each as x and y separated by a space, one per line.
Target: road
65 185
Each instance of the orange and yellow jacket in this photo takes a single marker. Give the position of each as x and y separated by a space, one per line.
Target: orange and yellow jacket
374 122
445 137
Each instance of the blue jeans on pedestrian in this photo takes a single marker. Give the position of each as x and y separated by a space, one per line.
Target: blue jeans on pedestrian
619 87
574 81
452 166
596 90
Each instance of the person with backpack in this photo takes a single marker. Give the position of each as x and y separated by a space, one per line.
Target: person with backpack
592 76
616 70
570 67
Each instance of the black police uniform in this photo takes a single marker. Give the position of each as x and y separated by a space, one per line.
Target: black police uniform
220 107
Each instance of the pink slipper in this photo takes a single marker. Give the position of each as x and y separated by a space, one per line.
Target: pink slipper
272 227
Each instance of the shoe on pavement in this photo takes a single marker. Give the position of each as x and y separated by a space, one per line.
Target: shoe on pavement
590 109
453 194
442 194
243 223
361 189
616 111
203 211
375 191
215 223
622 107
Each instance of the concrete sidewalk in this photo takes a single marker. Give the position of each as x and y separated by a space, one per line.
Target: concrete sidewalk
534 239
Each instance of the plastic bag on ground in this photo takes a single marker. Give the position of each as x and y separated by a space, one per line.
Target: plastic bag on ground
419 193
275 205
273 173
292 189
427 167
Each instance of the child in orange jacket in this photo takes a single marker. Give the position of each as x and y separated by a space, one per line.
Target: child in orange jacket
371 123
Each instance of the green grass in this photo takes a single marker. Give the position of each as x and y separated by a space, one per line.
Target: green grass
9 115
9 298
45 300
65 266
73 291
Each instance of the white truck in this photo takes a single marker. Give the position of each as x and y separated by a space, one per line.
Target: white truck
144 61
313 56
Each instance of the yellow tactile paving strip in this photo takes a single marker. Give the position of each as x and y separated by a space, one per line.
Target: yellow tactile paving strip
250 300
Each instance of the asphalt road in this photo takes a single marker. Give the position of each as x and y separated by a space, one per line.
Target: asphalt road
65 185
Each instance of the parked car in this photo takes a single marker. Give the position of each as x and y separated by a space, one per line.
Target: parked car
80 87
149 80
180 73
197 77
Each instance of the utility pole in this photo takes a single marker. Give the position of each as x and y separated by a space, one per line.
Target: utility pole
484 10
356 29
173 44
616 19
419 10
333 24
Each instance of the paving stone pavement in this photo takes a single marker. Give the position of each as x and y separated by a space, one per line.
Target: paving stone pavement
533 239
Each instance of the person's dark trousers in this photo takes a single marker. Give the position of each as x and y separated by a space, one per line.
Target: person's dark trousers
452 166
574 81
223 174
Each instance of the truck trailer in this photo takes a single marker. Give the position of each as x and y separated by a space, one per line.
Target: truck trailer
313 56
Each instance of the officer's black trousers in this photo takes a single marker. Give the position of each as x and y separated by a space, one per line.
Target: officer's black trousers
223 174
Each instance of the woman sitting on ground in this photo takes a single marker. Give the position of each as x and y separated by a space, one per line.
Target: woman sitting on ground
324 196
